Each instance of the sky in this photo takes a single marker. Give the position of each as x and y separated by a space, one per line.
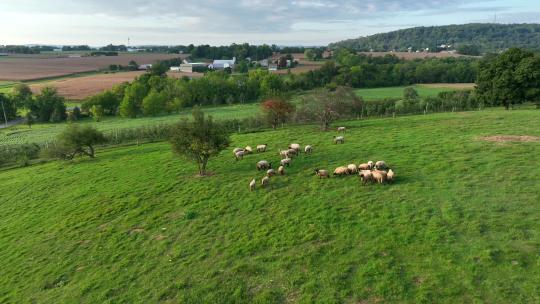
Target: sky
281 22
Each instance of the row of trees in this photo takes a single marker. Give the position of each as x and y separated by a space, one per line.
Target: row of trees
47 106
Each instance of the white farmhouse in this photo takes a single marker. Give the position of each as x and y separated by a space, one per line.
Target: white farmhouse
223 64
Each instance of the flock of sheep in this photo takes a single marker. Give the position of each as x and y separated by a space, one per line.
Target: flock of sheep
377 172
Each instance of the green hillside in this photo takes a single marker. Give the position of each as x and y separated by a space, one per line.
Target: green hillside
461 223
489 37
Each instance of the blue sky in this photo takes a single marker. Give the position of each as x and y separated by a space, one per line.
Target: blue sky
291 22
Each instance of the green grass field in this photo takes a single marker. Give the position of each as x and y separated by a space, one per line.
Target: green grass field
46 132
461 223
397 92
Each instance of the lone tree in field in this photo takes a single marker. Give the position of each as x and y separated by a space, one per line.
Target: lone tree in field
277 110
199 139
77 140
509 78
326 106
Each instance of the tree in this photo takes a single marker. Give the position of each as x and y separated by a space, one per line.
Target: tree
154 103
409 93
310 54
48 106
469 49
509 78
199 139
326 106
133 97
97 112
22 95
29 119
75 140
159 69
277 110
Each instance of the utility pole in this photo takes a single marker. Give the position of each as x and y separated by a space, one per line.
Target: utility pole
3 109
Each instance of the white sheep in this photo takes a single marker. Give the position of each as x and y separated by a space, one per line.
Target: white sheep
352 168
339 139
340 171
286 162
265 181
322 173
366 176
262 148
390 176
284 153
263 165
371 164
379 176
293 152
248 150
341 129
239 155
381 165
295 147
271 172
308 149
281 170
364 167
236 150
252 185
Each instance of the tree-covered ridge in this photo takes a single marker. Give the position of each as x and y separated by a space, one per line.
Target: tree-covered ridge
488 37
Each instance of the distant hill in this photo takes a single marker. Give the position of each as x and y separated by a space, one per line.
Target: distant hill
485 36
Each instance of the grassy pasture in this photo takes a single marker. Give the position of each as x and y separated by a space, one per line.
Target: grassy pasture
461 224
397 92
46 132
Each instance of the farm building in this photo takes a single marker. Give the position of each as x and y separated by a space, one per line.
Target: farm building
189 67
144 67
272 67
223 64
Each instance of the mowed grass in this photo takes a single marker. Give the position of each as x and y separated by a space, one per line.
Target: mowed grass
461 223
397 92
40 133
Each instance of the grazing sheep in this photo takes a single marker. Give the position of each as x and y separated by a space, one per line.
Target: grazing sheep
252 185
366 176
286 162
371 164
239 155
295 147
364 167
248 150
390 176
237 150
271 172
265 181
281 170
308 149
262 148
379 176
341 129
381 165
340 171
352 169
293 152
263 165
322 173
284 153
339 139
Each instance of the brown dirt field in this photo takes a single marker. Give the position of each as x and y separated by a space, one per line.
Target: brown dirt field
456 86
79 88
510 138
412 56
20 68
301 68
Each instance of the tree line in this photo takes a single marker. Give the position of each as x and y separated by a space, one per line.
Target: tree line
483 36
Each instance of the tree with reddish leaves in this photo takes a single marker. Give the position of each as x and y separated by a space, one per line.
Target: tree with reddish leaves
277 110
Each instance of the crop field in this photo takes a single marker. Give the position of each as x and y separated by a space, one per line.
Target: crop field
460 224
31 67
413 56
424 90
40 133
